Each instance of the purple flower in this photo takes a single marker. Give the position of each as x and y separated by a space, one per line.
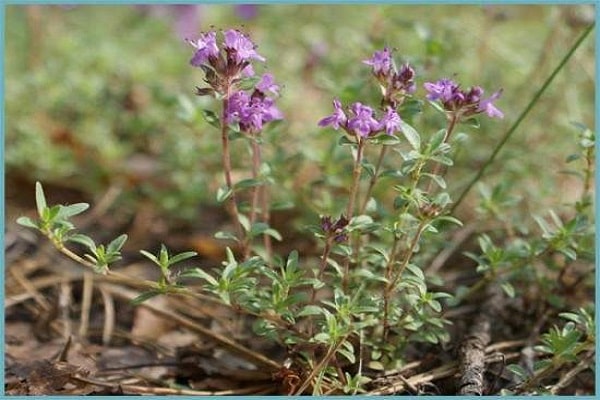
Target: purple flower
473 96
206 47
267 84
337 229
487 106
337 119
251 112
405 79
238 101
444 90
363 123
248 70
381 62
240 46
460 102
390 122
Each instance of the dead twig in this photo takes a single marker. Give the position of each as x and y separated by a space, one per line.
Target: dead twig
472 349
125 388
86 303
226 342
567 378
109 316
398 385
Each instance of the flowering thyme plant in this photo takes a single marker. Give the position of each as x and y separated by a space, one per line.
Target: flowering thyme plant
365 299
229 73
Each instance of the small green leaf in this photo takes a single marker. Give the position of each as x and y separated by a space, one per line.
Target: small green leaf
223 193
145 296
201 274
292 261
182 256
248 83
310 310
322 337
385 140
416 271
40 199
344 141
274 234
84 240
437 179
226 236
72 210
245 222
150 256
472 122
117 244
437 106
163 256
508 289
347 350
369 168
247 183
411 135
27 222
212 118
437 139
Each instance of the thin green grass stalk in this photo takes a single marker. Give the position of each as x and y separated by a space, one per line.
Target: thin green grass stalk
521 117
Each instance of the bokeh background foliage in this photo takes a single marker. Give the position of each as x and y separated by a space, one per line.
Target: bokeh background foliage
102 95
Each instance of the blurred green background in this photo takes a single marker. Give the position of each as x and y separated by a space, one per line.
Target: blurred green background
103 96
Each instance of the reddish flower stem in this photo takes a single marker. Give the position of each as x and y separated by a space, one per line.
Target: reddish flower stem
226 159
352 199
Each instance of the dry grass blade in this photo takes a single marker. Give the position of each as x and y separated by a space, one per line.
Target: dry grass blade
166 391
242 351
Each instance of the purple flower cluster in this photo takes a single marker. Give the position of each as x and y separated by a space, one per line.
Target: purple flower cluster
224 66
252 111
337 229
225 63
464 103
360 121
395 84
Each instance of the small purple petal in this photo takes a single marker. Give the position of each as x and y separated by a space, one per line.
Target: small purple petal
336 119
244 48
248 71
487 106
381 61
267 84
444 89
390 122
363 124
206 47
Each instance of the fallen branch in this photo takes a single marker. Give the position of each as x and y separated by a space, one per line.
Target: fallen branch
472 349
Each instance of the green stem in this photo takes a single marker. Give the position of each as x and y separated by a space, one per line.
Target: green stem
439 168
313 291
355 178
392 282
373 180
521 117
